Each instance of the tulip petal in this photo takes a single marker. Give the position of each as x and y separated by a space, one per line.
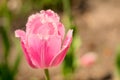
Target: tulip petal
37 20
49 16
33 23
20 33
61 55
46 29
35 26
37 50
27 55
53 47
61 30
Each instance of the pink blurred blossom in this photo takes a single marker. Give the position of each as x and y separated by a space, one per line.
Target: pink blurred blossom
42 42
88 59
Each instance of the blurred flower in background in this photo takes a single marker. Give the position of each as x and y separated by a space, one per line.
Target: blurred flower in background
88 59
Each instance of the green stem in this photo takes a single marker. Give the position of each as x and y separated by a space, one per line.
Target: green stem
47 76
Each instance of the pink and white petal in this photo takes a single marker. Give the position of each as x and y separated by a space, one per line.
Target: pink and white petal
60 57
50 16
27 55
43 29
53 47
20 33
36 20
46 29
61 30
57 59
68 38
37 48
33 23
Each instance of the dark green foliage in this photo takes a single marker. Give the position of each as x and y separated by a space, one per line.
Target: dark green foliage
68 65
118 60
6 42
69 62
5 73
16 64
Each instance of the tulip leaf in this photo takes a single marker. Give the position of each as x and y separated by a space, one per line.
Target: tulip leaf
5 40
16 64
118 60
68 63
5 72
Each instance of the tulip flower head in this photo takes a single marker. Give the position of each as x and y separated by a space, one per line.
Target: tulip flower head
88 59
42 42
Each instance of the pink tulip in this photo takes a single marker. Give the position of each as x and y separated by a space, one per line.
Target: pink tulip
88 59
42 42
